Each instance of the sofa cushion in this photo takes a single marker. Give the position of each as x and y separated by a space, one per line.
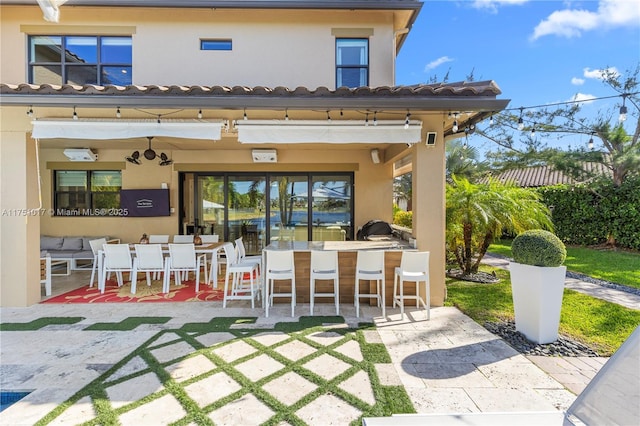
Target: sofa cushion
84 254
63 254
72 243
51 243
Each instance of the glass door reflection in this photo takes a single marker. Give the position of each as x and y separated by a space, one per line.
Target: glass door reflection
288 208
246 211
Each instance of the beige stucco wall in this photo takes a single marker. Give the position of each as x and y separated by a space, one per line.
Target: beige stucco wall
270 48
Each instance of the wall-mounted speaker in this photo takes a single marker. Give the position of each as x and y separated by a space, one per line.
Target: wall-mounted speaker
431 138
375 156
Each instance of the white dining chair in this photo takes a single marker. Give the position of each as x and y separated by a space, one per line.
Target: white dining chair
242 254
183 259
324 266
96 246
414 267
182 239
117 258
280 265
149 258
209 239
369 267
158 239
242 288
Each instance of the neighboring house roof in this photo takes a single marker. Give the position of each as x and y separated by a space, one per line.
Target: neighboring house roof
530 177
425 97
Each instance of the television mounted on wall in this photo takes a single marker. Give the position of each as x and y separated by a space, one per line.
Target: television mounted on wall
145 202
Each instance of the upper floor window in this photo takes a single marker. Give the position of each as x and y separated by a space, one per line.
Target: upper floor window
86 192
215 44
352 62
100 60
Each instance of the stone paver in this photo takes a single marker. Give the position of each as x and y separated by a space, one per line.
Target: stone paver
351 349
295 350
247 410
134 389
327 366
289 388
359 385
173 351
162 411
316 412
211 389
270 338
325 338
234 351
136 364
190 368
211 339
259 367
80 412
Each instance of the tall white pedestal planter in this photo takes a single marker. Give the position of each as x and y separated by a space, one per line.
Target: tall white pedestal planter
537 300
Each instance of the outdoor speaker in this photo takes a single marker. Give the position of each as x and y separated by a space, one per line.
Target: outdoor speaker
375 156
431 138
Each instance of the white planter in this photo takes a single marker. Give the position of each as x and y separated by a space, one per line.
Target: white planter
537 300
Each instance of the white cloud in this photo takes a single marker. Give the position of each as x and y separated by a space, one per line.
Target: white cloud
597 73
435 64
583 98
572 22
577 81
494 4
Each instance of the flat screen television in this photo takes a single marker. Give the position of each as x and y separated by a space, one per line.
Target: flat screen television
144 202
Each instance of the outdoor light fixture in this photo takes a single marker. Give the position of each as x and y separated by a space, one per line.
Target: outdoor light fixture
590 142
491 120
149 154
30 112
533 130
200 113
455 126
328 117
623 110
75 114
520 121
118 114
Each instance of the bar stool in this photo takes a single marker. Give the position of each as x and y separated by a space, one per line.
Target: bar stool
280 266
237 271
414 267
370 266
324 266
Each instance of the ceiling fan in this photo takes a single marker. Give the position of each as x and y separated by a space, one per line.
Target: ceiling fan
149 154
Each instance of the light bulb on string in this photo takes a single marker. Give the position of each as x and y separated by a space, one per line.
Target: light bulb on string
491 120
328 117
366 120
454 128
118 113
30 112
75 114
286 115
590 144
533 130
200 113
406 120
375 119
244 114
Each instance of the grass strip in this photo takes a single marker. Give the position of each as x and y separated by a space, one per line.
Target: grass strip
39 323
126 324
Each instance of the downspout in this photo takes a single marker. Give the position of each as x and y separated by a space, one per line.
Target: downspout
395 37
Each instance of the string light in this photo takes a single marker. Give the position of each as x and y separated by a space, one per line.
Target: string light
244 114
159 118
200 113
118 114
491 120
623 109
328 117
75 114
533 130
366 120
590 144
286 115
454 128
406 120
520 120
30 111
375 118
341 113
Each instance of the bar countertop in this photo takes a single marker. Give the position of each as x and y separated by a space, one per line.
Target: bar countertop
301 246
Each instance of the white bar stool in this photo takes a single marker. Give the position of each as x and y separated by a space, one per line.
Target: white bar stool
414 267
280 266
324 266
370 266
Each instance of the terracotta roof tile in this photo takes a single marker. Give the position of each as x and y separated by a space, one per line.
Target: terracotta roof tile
531 177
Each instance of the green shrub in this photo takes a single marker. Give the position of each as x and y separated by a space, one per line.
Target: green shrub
538 247
402 218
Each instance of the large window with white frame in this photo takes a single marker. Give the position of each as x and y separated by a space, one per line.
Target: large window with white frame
81 59
87 192
352 62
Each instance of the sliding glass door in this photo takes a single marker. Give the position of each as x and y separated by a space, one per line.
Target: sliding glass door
265 207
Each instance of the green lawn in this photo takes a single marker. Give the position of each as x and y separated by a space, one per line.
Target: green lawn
617 266
601 325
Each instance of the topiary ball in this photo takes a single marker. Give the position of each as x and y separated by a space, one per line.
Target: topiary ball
538 247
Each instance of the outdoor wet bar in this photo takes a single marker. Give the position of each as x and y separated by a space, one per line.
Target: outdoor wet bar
347 254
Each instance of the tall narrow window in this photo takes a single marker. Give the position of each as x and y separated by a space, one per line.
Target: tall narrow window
80 60
352 62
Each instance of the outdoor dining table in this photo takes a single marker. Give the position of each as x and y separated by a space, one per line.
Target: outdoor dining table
347 253
209 249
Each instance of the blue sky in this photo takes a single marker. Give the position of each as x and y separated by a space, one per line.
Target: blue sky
538 52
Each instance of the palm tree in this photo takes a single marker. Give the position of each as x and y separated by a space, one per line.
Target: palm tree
477 214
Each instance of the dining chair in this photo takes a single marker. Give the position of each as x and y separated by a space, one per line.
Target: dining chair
158 239
324 266
182 239
117 258
370 266
242 254
414 267
244 276
149 258
183 259
96 246
279 266
208 239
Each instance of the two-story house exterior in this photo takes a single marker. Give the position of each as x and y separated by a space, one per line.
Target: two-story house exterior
310 85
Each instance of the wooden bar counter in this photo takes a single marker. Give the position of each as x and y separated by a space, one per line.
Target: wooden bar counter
347 252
